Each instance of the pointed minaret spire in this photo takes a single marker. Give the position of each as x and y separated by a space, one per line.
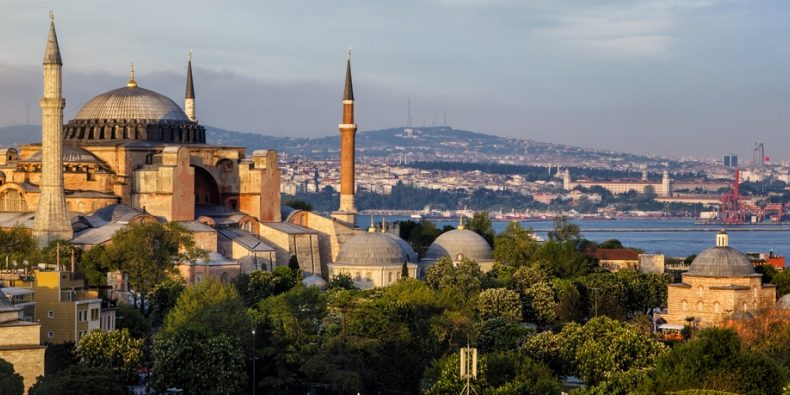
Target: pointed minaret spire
348 92
52 54
347 211
52 220
189 96
132 83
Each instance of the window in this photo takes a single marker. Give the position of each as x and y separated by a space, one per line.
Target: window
94 314
700 292
717 307
700 306
685 305
50 334
389 277
51 314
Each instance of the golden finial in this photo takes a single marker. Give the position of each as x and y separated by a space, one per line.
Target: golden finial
348 54
51 16
460 222
132 83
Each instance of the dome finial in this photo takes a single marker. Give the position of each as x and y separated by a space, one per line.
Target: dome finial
372 227
722 239
460 222
132 83
51 16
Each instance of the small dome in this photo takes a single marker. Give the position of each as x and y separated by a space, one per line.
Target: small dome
371 249
130 103
721 262
405 248
783 302
71 154
460 241
315 280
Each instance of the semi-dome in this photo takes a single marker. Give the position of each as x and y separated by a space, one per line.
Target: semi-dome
721 261
371 249
460 241
315 280
783 302
132 102
71 154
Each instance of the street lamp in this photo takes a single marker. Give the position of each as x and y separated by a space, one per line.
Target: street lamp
254 383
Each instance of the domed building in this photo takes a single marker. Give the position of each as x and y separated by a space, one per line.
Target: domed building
372 259
720 282
458 244
136 147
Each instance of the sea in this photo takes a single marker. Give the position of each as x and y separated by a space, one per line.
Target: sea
671 237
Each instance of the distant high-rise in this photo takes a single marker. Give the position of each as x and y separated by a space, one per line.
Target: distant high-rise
759 155
731 160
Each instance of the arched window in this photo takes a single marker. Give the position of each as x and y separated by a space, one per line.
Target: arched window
389 277
368 276
685 305
357 276
754 291
700 291
716 307
12 200
700 306
745 306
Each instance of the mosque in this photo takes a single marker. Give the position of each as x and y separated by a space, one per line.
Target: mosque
133 155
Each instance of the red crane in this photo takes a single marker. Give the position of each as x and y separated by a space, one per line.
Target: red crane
731 210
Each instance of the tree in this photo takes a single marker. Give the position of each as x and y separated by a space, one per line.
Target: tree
570 306
80 379
404 270
198 361
293 263
611 244
115 350
341 281
18 245
480 223
782 282
715 360
163 299
515 246
564 230
148 252
11 382
298 204
562 259
129 318
500 334
499 303
767 271
539 303
59 356
463 277
213 306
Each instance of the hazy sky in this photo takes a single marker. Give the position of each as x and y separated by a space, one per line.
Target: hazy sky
673 77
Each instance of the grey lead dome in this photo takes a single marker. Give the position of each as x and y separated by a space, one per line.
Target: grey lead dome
132 103
371 249
460 241
721 262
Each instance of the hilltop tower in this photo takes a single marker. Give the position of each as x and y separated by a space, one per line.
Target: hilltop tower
666 185
348 129
189 96
52 221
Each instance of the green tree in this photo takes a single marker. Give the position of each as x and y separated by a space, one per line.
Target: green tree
562 259
499 302
716 360
298 204
11 382
115 350
80 379
782 282
611 244
463 277
163 299
59 356
293 263
129 318
18 245
480 223
605 294
148 252
564 230
767 271
341 281
500 334
211 305
539 303
515 246
94 263
570 306
404 270
198 361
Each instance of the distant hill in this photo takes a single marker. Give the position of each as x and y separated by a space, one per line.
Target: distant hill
410 144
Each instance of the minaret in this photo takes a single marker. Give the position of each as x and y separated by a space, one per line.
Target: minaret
52 221
347 212
189 97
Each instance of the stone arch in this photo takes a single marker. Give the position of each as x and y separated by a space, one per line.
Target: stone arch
13 198
206 187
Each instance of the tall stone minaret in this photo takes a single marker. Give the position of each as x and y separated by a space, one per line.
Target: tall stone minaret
348 129
52 221
189 97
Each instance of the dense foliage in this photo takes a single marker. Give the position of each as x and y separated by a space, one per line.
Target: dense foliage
11 382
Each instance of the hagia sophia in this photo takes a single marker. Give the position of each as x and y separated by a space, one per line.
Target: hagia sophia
133 155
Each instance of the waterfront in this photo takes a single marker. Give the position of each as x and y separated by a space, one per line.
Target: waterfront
673 237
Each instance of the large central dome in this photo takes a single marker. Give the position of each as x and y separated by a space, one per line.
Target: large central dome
132 103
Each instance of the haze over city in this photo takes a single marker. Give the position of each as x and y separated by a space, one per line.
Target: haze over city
674 78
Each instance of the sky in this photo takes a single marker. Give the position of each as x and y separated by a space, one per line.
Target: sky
676 78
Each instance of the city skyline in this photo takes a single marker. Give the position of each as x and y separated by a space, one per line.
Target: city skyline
700 78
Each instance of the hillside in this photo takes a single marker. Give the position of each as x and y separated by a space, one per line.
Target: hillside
417 144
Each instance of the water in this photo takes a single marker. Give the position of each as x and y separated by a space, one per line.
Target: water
672 237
